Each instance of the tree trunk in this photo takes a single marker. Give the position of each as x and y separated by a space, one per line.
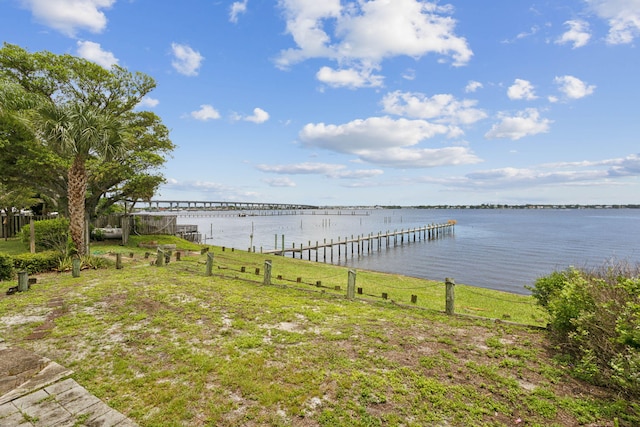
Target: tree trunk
76 194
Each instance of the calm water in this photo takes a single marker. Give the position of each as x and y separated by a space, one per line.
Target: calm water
497 249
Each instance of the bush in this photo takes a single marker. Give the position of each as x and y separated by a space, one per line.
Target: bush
594 319
50 234
37 263
6 267
86 262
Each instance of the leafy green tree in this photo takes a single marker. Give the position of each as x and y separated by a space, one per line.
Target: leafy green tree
89 143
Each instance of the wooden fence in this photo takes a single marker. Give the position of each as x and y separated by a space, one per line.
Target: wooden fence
10 226
140 224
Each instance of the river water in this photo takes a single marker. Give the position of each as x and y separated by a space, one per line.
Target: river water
503 249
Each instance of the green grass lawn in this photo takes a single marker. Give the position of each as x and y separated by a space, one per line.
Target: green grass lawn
172 346
12 246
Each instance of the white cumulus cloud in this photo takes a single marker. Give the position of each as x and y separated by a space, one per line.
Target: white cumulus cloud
386 141
359 35
236 9
147 101
94 52
373 133
473 86
442 108
186 60
69 16
350 77
525 123
259 116
623 17
521 89
205 113
573 87
578 33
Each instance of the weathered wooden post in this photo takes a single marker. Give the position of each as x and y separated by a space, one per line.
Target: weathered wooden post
32 235
351 285
75 271
450 294
267 273
160 258
118 261
209 263
23 281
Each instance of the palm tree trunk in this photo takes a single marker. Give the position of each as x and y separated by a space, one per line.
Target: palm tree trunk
76 191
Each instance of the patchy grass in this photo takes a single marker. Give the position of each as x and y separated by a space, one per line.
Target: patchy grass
172 346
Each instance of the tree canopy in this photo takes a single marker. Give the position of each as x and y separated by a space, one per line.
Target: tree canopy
71 132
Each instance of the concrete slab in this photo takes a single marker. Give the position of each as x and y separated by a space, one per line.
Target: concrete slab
61 386
109 419
80 405
42 395
50 374
94 411
16 419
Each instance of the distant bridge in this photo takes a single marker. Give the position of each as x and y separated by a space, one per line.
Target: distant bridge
176 205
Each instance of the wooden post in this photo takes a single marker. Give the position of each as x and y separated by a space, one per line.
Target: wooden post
178 255
324 249
414 299
267 273
75 272
32 236
23 281
160 258
331 251
450 293
118 261
209 263
351 284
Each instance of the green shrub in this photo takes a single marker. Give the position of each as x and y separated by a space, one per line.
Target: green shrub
37 263
594 319
50 234
86 262
6 267
547 288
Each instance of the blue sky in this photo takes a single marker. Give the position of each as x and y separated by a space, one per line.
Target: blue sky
402 102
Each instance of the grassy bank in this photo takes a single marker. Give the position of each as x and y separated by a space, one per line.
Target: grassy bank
172 346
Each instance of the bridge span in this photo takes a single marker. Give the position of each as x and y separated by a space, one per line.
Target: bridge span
178 205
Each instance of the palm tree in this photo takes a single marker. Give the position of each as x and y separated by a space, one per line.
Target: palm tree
77 132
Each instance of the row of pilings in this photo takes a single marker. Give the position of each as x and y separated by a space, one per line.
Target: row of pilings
328 250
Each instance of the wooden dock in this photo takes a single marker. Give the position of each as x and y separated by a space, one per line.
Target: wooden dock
365 244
